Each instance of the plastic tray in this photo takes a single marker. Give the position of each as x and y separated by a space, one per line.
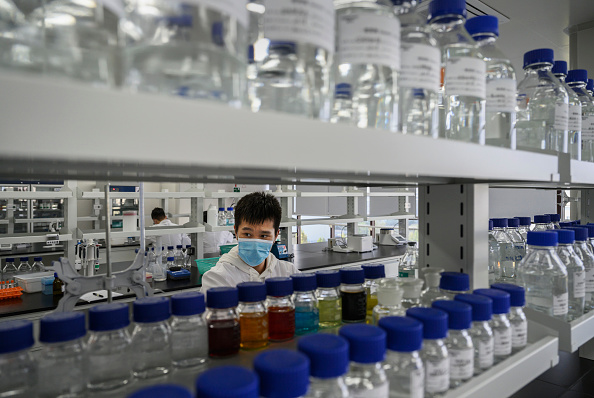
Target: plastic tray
227 248
205 264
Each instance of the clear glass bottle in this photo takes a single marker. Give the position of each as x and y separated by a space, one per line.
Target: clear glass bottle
502 329
576 273
109 347
501 83
169 253
81 39
222 319
178 255
555 219
329 362
590 227
155 268
63 337
525 224
329 299
582 250
283 373
544 276
403 364
307 314
577 81
463 92
352 293
434 353
389 296
418 82
170 263
292 71
371 71
507 252
432 292
517 318
409 263
459 342
494 255
214 382
221 218
253 316
574 139
373 273
151 338
590 87
24 266
513 231
17 365
367 350
453 283
230 215
193 50
281 308
189 333
542 222
481 332
543 104
38 265
411 292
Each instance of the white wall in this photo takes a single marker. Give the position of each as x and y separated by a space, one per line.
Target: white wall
509 203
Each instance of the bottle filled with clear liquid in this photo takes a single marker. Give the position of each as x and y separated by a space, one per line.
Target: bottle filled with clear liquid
494 255
525 224
577 81
543 275
507 252
420 65
293 47
543 105
574 119
195 49
501 83
576 273
513 231
463 92
408 265
368 60
585 254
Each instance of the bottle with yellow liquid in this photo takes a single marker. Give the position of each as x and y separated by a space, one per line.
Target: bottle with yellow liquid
373 273
253 316
329 300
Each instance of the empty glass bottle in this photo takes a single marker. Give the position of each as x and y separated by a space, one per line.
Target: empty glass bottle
389 295
24 266
189 333
481 332
10 270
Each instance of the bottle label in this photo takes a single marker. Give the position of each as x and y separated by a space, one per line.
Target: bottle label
306 21
437 376
234 8
519 334
575 117
417 383
420 66
589 284
461 364
503 343
520 250
486 354
466 76
365 38
588 128
560 304
501 95
561 116
579 284
382 391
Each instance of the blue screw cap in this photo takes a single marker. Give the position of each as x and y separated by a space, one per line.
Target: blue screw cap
482 306
459 313
405 334
565 236
327 279
304 282
279 287
367 343
59 327
435 322
560 68
438 8
352 276
163 390
222 297
227 382
517 293
374 271
542 238
16 336
152 309
482 24
187 304
454 281
499 222
501 299
251 292
106 317
283 373
328 354
539 56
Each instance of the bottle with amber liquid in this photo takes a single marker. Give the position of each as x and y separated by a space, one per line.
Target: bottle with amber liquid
281 309
58 286
222 321
253 316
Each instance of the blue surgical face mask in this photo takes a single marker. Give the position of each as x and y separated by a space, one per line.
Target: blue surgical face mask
254 251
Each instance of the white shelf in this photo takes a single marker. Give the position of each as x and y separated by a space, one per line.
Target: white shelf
515 372
138 121
31 238
571 335
217 228
401 216
388 194
582 172
230 195
159 231
26 195
147 195
343 194
329 221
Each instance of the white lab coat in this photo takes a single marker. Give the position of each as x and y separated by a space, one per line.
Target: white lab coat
172 239
213 240
231 270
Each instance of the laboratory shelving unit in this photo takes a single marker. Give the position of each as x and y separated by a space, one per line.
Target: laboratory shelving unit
452 177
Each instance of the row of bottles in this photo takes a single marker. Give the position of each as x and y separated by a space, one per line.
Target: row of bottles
226 218
159 263
371 63
11 270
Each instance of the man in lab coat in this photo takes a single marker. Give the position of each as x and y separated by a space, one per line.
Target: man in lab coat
257 220
161 220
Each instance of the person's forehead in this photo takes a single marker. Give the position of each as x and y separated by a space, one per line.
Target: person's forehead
267 225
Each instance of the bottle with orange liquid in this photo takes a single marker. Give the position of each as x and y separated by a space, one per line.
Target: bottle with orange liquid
281 309
253 317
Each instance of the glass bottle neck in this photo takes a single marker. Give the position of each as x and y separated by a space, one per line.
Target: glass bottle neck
485 38
581 85
560 76
534 68
449 21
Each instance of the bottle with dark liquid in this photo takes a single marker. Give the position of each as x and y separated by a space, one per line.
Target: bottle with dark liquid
281 309
58 286
354 297
253 317
222 321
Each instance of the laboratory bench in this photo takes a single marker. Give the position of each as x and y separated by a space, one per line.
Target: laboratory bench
308 257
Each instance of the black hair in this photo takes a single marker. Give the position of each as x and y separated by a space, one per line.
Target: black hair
158 214
258 207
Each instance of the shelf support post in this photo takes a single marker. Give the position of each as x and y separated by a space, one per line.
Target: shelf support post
70 219
196 219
